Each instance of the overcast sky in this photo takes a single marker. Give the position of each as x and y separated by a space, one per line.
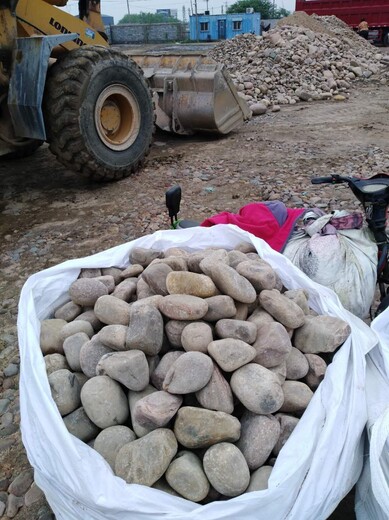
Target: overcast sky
118 8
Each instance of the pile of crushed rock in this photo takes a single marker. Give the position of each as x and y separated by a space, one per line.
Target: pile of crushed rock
303 58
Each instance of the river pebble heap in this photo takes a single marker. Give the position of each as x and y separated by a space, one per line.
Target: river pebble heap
187 371
304 58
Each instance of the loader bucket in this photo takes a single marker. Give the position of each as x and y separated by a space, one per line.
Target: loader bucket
195 94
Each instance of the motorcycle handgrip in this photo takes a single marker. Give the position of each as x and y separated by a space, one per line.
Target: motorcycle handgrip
323 180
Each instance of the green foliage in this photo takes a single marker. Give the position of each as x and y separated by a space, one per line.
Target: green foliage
265 7
146 18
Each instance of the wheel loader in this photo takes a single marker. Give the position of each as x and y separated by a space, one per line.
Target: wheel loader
62 83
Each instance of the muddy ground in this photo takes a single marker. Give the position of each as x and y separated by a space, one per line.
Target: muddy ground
49 214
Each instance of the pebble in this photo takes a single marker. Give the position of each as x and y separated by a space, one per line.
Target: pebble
111 440
104 402
197 336
145 330
186 476
231 354
257 388
226 469
112 311
200 428
189 373
128 368
86 291
183 307
145 460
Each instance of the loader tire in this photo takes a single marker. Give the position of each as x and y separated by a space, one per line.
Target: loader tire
99 113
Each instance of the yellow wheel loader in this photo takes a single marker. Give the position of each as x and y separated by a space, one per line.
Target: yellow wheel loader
60 82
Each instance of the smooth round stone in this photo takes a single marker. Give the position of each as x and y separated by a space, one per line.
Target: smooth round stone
90 316
143 290
125 290
189 373
77 326
245 247
216 394
259 479
50 336
129 368
228 280
132 270
231 354
145 331
297 365
155 276
219 307
273 345
112 311
90 272
186 476
197 336
116 272
237 329
111 440
176 263
108 281
79 425
321 334
226 469
82 378
287 423
155 410
143 256
90 354
86 291
280 372
104 402
184 282
183 307
194 259
68 312
200 428
259 435
299 296
55 362
145 460
242 311
259 273
162 485
72 348
176 251
297 397
133 398
236 257
257 388
260 317
173 331
65 390
113 336
159 374
282 309
316 371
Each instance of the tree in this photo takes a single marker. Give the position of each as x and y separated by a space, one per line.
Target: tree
265 7
147 18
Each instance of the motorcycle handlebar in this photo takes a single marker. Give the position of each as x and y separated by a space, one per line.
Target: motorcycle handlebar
333 179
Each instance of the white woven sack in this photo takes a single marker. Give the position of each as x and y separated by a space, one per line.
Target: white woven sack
317 467
345 262
372 499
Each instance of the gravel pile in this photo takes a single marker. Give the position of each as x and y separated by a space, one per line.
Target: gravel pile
303 58
187 371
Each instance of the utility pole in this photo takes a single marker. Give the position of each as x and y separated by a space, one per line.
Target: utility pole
207 4
128 7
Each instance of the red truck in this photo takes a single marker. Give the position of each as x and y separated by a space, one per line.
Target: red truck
375 12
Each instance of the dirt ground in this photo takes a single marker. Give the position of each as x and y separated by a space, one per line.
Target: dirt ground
49 214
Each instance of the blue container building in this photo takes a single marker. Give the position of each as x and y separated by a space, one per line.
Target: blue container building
213 27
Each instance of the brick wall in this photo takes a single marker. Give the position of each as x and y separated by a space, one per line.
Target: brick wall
147 33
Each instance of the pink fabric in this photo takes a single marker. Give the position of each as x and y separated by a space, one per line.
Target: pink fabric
259 220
